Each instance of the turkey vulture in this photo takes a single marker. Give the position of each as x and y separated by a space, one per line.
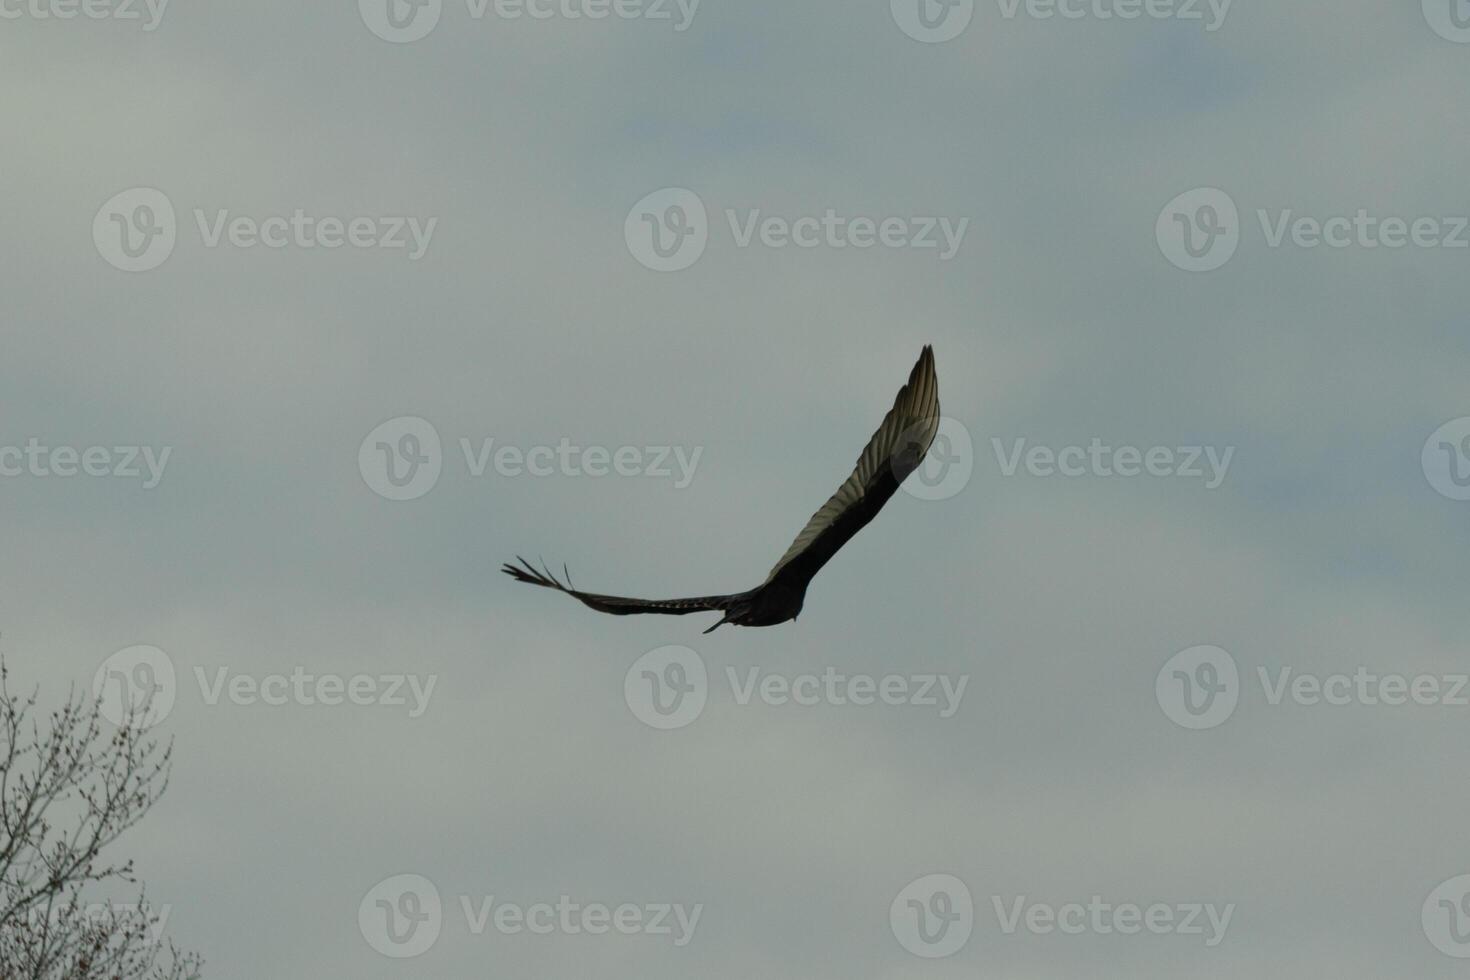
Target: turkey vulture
891 455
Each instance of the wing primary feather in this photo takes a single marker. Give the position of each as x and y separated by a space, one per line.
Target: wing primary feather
893 452
617 605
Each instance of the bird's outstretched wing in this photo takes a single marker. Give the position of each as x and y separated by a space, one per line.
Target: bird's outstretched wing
617 605
894 452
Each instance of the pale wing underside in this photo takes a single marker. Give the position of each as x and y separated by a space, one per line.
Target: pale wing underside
898 446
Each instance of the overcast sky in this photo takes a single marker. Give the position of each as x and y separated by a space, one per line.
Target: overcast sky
277 274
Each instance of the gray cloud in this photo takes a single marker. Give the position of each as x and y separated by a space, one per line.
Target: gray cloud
528 320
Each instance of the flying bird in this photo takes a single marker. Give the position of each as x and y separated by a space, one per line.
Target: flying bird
894 452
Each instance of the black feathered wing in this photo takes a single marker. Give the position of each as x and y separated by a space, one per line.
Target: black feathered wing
617 605
894 452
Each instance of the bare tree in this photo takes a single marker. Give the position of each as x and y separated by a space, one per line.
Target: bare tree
71 783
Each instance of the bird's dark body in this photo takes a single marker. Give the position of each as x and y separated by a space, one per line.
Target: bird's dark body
894 452
778 601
